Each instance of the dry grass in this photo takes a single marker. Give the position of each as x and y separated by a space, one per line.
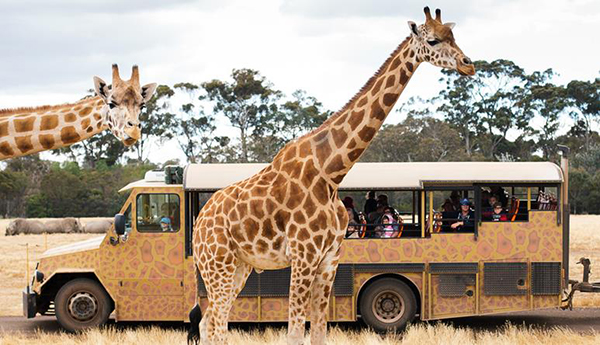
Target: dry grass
417 334
13 264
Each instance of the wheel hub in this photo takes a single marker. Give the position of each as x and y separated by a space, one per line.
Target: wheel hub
82 306
388 306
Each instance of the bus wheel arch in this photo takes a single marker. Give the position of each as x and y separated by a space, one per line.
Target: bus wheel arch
394 288
53 285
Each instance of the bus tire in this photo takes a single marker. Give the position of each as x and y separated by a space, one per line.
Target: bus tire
388 304
81 304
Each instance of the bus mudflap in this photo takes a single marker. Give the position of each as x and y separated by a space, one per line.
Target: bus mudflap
584 286
29 303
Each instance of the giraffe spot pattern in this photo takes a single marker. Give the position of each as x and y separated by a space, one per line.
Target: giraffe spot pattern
49 122
24 143
356 117
70 117
85 111
3 129
47 141
6 150
389 99
69 135
24 124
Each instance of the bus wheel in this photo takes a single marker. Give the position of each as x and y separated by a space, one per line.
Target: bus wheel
388 305
82 303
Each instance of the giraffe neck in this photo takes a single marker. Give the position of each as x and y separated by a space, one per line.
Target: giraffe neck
26 131
340 141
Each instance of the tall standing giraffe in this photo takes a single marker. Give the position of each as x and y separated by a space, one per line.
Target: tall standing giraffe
289 214
25 131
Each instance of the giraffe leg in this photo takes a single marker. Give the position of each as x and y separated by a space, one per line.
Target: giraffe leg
222 293
319 299
300 281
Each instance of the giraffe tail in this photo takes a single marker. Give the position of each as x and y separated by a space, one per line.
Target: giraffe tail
193 337
195 317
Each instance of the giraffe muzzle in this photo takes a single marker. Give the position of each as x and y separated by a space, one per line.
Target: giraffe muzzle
465 66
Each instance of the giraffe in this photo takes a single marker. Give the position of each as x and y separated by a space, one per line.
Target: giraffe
289 214
25 131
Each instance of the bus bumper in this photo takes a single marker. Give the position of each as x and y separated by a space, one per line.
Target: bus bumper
29 303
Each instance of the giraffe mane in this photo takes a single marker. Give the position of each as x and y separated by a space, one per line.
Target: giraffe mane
365 88
13 111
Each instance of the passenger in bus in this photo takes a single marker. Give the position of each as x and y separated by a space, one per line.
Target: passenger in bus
353 225
448 214
349 203
165 224
488 210
455 199
371 203
499 215
501 195
390 227
465 220
383 199
374 220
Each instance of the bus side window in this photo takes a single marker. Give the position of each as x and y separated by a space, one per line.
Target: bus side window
157 213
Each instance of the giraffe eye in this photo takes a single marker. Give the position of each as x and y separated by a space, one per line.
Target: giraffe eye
433 42
142 106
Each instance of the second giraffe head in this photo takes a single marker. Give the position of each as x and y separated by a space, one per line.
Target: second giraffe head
437 46
123 103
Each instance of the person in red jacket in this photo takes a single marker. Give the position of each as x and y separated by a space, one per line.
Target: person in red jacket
499 215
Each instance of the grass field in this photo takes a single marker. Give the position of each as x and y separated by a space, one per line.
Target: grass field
585 241
422 334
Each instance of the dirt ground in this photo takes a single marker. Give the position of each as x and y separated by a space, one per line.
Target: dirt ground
585 241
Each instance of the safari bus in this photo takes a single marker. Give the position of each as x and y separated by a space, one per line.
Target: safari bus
441 240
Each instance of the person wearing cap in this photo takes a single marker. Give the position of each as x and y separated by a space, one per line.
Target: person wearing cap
465 220
165 224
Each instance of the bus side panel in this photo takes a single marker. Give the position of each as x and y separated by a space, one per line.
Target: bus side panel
539 240
150 308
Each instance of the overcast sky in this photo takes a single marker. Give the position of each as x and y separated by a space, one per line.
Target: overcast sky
50 50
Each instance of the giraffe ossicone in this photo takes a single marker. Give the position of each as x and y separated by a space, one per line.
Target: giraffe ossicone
25 131
289 214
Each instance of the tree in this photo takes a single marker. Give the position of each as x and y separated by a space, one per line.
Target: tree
547 102
12 189
295 117
196 130
416 139
247 102
157 122
492 103
584 99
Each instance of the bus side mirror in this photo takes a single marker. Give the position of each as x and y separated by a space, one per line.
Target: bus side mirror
120 224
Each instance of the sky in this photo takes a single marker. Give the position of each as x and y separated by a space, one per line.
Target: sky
50 50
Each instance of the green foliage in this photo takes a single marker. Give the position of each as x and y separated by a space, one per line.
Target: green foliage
248 102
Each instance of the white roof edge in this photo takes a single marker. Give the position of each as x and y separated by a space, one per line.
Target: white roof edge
382 175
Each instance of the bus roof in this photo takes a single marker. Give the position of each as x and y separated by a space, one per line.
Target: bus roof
380 176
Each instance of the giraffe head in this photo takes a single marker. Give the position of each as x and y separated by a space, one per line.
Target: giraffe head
123 103
436 45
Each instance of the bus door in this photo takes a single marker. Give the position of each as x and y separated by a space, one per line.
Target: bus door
149 269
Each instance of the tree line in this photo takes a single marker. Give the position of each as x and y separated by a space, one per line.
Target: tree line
502 113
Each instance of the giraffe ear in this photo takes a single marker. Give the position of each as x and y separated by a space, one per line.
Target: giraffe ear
147 91
101 88
413 27
450 25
